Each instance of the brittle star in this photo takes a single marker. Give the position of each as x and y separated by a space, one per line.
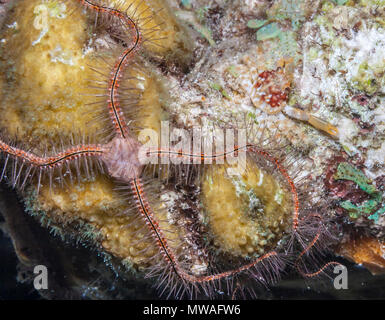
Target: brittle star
122 161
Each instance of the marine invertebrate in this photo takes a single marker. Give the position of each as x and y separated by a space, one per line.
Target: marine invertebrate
120 156
263 203
171 266
271 93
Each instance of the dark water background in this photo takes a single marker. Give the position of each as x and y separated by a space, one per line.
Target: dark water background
362 285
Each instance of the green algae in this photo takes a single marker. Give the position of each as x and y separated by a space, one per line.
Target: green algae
292 10
186 4
364 209
255 23
275 28
219 88
341 2
346 171
83 232
368 78
372 3
268 32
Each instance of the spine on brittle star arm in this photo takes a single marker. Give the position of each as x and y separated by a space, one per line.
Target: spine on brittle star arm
34 163
308 248
320 270
115 110
52 161
190 157
129 24
167 252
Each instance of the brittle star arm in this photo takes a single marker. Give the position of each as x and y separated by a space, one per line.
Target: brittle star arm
114 108
247 148
170 257
45 162
146 212
307 249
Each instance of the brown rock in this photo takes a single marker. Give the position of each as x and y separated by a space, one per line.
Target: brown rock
370 252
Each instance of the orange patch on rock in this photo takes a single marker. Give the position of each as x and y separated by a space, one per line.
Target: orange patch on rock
369 252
